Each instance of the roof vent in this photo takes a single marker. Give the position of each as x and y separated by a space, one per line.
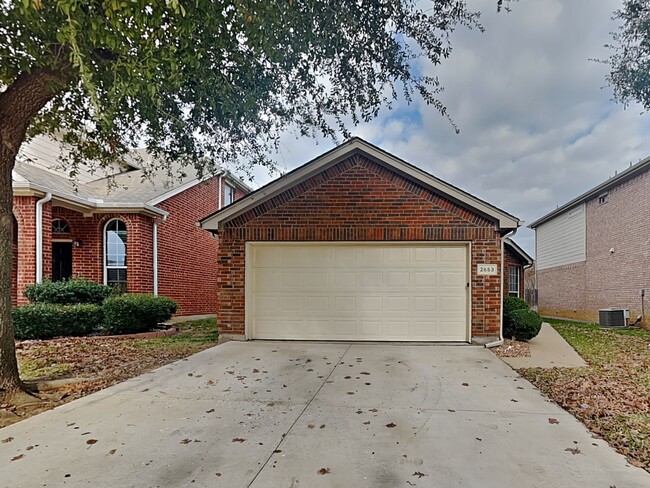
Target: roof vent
613 317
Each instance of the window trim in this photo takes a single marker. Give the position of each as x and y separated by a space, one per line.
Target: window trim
230 191
105 265
65 226
511 293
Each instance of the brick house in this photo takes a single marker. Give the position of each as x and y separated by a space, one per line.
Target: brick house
516 262
594 251
360 245
116 227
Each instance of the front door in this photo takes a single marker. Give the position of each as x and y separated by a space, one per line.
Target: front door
61 260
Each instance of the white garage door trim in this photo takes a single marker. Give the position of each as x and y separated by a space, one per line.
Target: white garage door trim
364 248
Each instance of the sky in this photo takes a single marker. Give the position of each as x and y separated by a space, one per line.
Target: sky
537 123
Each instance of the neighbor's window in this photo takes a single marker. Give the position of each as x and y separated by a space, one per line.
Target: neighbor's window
115 254
230 195
60 226
513 281
602 198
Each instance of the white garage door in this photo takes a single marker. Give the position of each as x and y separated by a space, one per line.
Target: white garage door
372 292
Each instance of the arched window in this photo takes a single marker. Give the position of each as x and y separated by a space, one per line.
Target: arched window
60 226
115 235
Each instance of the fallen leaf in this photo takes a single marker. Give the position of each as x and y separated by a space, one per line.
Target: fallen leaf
324 471
573 450
217 474
347 377
513 400
8 439
391 425
209 382
553 421
367 422
255 370
322 426
186 441
90 442
16 458
238 439
210 411
373 410
277 451
29 448
419 474
311 426
465 384
479 439
111 452
350 393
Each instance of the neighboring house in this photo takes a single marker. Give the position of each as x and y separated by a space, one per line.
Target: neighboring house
516 261
117 227
594 252
360 245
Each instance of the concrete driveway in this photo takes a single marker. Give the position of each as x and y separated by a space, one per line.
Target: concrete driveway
278 415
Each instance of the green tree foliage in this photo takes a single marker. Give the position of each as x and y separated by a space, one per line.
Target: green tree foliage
202 82
630 61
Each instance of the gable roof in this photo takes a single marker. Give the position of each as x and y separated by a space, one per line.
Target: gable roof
629 173
354 146
518 251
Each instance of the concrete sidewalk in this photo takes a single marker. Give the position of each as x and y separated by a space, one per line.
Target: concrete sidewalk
548 350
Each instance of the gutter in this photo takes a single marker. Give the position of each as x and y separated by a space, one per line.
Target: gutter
500 340
39 236
155 255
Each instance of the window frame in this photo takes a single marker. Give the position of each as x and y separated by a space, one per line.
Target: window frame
229 194
105 265
63 230
516 293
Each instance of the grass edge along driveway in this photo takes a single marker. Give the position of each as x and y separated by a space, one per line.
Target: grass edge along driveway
68 368
611 396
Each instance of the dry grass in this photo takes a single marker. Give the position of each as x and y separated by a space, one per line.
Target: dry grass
70 368
612 395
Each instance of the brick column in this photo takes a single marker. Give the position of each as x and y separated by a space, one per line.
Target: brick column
25 212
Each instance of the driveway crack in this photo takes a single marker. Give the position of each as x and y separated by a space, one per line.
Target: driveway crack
284 436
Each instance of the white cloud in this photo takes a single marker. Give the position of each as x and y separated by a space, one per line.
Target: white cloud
537 126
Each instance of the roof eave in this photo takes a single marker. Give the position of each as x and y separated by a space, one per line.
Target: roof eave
625 175
502 220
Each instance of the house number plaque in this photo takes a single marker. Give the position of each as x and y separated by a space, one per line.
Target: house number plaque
486 269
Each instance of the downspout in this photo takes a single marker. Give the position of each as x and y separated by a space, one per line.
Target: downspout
220 192
155 255
500 340
39 236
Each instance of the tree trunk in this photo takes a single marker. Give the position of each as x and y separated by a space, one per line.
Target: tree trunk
19 103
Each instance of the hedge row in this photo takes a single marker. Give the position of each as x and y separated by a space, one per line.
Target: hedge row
67 292
519 321
57 311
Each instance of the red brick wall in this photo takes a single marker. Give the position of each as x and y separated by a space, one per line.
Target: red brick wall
606 279
187 255
358 200
25 212
88 258
512 260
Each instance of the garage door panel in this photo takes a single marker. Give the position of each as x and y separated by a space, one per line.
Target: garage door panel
397 329
363 292
425 279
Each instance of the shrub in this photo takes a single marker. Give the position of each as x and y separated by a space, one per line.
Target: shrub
127 314
48 320
510 304
68 292
524 324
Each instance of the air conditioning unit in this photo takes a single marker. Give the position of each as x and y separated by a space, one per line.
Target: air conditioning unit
613 317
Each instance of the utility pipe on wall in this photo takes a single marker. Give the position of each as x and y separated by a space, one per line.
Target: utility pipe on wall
500 340
39 236
155 255
155 258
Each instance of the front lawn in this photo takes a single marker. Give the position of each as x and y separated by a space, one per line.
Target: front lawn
69 368
612 395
